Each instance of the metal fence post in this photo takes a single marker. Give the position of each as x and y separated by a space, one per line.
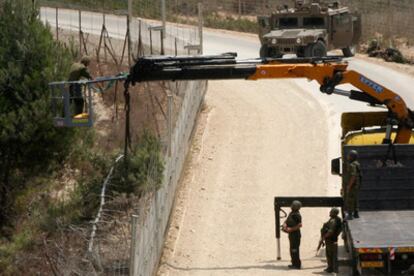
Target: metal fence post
104 38
169 122
162 41
150 37
129 18
40 10
200 26
57 24
390 20
80 31
164 19
134 224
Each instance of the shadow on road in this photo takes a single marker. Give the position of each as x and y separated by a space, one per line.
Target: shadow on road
247 267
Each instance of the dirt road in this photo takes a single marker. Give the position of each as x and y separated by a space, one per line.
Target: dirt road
255 140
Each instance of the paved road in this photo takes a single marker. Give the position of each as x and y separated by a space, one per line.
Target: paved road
256 140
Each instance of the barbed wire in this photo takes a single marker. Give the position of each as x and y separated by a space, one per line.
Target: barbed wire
108 245
390 18
101 205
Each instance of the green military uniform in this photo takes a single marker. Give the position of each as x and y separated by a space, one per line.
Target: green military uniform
294 219
77 72
334 227
352 199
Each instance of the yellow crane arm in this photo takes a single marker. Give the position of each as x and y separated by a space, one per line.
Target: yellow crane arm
328 75
328 72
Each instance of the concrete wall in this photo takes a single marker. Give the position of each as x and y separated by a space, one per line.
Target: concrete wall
152 221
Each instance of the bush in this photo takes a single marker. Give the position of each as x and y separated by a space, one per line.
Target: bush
142 170
29 60
21 241
83 201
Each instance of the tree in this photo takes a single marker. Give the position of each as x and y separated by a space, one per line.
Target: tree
29 60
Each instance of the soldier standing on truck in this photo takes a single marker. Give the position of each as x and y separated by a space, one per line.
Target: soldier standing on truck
78 70
330 232
352 185
292 226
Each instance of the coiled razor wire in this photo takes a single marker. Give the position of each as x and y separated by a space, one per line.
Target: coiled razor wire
99 214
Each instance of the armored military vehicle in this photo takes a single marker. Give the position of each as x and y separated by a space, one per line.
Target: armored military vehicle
309 29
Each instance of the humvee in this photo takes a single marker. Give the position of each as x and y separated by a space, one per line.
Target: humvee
310 29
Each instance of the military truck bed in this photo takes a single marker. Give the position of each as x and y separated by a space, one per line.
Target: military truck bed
382 229
387 178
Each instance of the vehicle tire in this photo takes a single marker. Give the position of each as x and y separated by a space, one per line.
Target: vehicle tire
354 264
277 55
349 51
300 53
264 51
354 269
317 49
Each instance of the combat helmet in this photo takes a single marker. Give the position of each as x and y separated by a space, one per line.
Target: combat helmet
296 205
85 60
334 212
353 155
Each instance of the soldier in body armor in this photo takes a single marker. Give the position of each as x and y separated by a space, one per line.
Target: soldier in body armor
292 226
330 232
353 183
78 71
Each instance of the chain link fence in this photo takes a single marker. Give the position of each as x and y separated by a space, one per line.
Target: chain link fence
389 18
151 222
100 29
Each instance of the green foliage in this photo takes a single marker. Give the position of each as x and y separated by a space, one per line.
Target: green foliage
142 170
231 23
33 151
29 60
83 199
108 5
8 251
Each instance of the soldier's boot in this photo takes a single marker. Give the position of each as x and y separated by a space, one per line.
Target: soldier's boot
356 215
296 263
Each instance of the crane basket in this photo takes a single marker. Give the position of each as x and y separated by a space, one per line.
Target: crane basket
72 104
72 101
